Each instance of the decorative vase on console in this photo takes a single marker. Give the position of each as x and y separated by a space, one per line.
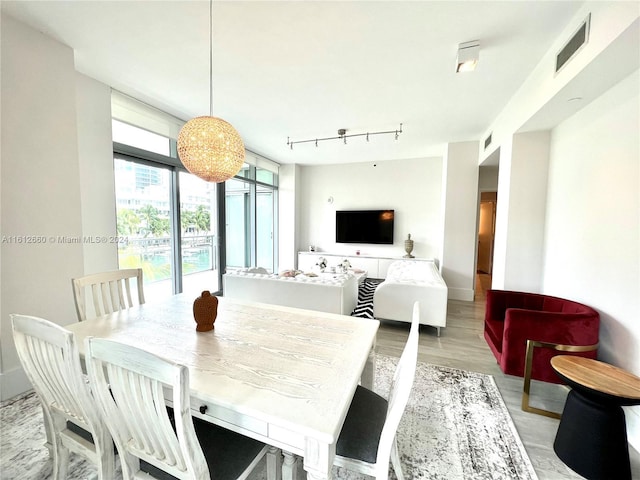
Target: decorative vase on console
343 267
408 247
321 263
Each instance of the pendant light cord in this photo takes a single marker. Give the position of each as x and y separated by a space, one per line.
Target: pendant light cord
211 58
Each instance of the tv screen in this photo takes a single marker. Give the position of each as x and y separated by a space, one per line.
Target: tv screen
364 226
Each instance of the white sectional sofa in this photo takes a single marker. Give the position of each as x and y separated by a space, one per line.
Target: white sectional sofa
406 282
332 293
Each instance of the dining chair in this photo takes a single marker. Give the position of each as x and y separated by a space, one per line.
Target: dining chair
130 385
110 291
49 356
368 438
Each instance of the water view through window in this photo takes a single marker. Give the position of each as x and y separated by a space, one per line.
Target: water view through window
168 219
144 213
199 236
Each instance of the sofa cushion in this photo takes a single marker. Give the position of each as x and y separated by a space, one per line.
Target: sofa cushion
411 271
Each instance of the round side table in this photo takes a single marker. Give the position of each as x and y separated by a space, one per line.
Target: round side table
592 435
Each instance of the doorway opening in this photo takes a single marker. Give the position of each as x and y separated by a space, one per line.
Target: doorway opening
486 237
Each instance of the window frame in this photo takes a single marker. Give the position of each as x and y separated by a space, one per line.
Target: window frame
174 165
251 221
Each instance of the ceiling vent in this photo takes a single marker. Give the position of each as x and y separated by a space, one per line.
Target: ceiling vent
572 47
487 141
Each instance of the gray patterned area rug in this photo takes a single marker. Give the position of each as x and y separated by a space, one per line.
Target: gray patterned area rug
456 426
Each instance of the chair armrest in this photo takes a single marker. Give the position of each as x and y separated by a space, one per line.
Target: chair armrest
528 370
550 327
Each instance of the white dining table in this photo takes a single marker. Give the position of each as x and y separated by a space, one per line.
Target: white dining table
284 376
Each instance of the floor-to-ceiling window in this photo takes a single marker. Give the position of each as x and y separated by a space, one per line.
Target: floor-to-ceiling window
238 223
250 219
168 217
199 234
266 202
143 197
182 231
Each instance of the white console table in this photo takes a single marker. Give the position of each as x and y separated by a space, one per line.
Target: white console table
376 267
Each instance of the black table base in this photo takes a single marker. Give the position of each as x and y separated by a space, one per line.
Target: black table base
592 438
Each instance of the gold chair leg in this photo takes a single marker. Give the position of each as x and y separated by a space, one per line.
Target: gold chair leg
528 365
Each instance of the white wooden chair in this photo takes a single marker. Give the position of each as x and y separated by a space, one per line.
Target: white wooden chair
50 358
110 291
368 438
129 384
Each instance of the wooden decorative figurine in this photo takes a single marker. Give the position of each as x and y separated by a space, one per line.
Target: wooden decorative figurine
205 310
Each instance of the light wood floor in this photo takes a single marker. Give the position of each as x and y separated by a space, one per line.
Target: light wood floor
462 345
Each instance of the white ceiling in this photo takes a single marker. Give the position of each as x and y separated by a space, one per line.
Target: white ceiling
304 69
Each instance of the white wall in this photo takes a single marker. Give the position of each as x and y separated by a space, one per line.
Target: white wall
411 187
592 241
520 215
459 214
288 221
40 185
488 179
57 183
97 183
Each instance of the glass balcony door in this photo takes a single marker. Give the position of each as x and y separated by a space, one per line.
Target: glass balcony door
143 206
199 235
265 226
250 220
159 209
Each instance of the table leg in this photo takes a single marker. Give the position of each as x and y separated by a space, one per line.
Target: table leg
289 466
274 464
318 459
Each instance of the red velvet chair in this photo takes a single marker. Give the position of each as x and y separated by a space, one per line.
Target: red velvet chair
517 322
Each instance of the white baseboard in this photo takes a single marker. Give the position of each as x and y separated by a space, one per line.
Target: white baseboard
465 294
12 383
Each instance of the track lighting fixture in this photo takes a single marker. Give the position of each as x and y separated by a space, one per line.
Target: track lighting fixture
468 55
342 135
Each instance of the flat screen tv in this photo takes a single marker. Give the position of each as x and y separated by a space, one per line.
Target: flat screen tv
364 226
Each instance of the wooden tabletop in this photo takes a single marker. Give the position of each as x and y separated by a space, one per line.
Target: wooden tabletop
283 367
598 376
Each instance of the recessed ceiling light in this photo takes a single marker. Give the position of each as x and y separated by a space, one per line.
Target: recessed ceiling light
468 55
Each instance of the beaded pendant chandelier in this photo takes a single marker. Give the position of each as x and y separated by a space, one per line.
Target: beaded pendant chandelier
210 147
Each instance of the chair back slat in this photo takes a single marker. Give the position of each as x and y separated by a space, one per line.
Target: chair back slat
126 300
118 300
50 358
129 385
43 351
110 299
110 291
97 295
400 390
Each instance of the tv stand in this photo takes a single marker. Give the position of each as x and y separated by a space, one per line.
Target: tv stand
375 266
